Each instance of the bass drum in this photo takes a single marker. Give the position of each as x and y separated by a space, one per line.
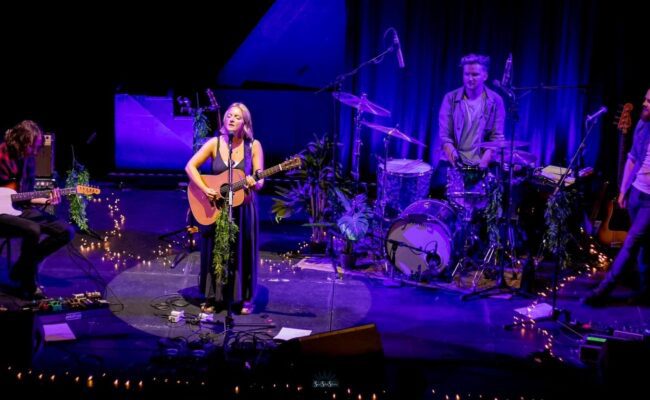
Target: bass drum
421 240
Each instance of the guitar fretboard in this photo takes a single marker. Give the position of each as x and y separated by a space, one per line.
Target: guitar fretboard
260 175
41 193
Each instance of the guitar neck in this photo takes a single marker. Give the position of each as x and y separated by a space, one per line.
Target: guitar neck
41 193
621 160
260 175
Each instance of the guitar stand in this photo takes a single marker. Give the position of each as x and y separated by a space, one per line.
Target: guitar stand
190 244
91 232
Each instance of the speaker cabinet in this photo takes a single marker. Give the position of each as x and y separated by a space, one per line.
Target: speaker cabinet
332 359
17 338
350 342
45 157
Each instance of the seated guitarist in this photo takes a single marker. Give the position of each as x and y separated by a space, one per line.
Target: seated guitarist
21 144
235 285
635 196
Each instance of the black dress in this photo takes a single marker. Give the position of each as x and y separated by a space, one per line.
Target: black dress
242 268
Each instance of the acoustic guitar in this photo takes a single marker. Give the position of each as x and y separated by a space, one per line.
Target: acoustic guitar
206 211
8 196
613 230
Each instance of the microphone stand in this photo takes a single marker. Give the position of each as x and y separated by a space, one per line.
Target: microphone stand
507 249
229 321
336 85
559 186
338 81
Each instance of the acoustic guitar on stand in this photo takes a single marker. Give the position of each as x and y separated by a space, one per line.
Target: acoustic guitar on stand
613 230
206 211
8 196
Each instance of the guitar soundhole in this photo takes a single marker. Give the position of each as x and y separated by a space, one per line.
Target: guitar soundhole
223 190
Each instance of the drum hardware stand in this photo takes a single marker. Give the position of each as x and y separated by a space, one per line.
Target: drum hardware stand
336 85
501 286
382 202
391 281
465 259
390 267
356 147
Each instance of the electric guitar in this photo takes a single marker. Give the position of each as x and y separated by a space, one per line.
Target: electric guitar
613 229
206 211
8 196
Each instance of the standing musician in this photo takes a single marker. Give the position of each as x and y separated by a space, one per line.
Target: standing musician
635 196
237 283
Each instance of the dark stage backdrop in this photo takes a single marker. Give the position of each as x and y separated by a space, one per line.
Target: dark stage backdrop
592 51
67 73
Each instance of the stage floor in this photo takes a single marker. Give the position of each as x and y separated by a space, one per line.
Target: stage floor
432 339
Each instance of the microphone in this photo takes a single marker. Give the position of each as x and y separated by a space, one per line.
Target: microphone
507 72
602 110
91 138
231 134
400 56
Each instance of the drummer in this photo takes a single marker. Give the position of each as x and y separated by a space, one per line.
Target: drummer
470 115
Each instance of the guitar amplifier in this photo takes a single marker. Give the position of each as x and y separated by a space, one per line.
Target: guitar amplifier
45 157
44 183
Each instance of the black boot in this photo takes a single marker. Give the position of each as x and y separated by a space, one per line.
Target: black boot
600 296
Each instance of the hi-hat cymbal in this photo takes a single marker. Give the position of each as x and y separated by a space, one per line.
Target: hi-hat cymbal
361 103
519 157
503 144
393 132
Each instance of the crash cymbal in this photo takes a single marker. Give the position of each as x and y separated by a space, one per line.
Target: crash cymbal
361 103
519 157
393 132
502 144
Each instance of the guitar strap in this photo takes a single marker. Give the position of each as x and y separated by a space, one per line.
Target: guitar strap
248 156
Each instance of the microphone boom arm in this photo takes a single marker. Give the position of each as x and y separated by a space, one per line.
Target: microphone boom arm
375 60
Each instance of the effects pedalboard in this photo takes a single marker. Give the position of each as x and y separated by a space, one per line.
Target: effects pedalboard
76 302
595 344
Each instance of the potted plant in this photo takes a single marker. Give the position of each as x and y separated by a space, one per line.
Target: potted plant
311 191
353 223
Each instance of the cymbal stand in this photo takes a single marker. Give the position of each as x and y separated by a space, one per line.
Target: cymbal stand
390 266
356 147
382 195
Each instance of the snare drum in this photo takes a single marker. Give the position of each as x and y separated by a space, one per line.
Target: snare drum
468 187
405 182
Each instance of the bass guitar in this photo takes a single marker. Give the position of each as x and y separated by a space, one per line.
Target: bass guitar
613 230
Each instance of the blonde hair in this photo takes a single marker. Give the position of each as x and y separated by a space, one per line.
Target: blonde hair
479 59
246 115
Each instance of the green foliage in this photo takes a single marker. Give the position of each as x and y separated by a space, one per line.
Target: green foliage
313 189
558 211
78 175
225 235
355 218
493 212
201 127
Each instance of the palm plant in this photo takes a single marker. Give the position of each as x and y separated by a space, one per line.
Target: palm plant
311 191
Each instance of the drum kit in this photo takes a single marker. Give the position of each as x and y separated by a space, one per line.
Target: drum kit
425 236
